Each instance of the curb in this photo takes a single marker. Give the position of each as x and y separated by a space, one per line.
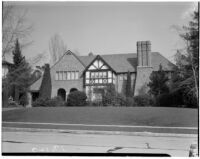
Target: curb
150 134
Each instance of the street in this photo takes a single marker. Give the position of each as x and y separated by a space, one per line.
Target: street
94 143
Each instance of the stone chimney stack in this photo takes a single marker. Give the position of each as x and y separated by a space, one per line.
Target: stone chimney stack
144 67
144 53
139 53
148 47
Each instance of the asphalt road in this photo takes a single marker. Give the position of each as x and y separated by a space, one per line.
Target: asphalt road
94 143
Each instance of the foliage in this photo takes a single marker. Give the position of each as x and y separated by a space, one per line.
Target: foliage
24 99
76 98
130 102
109 95
54 102
17 55
128 85
19 77
143 100
186 74
174 99
46 86
158 83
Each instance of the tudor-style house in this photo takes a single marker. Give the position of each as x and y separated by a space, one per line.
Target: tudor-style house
93 73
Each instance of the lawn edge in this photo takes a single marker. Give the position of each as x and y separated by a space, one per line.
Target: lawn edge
5 129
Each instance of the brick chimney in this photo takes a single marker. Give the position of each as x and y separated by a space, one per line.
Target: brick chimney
144 53
144 67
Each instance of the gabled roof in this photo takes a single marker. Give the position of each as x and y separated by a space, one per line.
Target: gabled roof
128 61
69 53
120 63
95 58
36 85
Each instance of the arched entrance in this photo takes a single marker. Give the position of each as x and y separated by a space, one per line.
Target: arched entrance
73 89
62 93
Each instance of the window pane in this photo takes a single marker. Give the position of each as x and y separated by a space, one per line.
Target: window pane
87 74
109 74
96 80
56 76
125 76
120 77
109 80
68 76
114 81
96 74
64 75
100 80
76 75
87 81
72 75
60 75
92 74
100 74
104 74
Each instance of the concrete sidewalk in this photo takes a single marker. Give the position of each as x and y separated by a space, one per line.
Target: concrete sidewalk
70 131
101 128
48 142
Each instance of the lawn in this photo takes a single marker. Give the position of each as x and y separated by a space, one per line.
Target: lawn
148 116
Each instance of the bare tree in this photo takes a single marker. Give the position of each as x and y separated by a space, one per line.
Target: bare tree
37 58
14 25
56 48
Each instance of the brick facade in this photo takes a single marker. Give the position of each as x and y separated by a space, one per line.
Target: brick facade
68 62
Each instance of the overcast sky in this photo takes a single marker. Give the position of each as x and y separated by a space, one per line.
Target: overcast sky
105 28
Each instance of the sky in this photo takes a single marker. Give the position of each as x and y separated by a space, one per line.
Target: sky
105 27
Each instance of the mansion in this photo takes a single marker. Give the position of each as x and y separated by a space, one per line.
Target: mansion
93 73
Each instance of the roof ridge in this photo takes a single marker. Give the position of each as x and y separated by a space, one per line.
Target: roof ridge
115 54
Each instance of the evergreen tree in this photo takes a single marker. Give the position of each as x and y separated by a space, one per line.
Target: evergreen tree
158 82
128 85
19 76
17 55
186 76
46 86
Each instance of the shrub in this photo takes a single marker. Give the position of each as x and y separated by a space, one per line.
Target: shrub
76 98
23 100
40 102
56 101
143 100
130 102
174 99
73 89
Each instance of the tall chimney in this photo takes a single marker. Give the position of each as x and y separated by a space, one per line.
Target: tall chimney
139 53
144 54
149 52
144 68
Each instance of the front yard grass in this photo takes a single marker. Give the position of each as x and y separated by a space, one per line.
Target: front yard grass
143 116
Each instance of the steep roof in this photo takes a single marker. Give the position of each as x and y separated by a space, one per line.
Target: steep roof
120 63
36 85
128 62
